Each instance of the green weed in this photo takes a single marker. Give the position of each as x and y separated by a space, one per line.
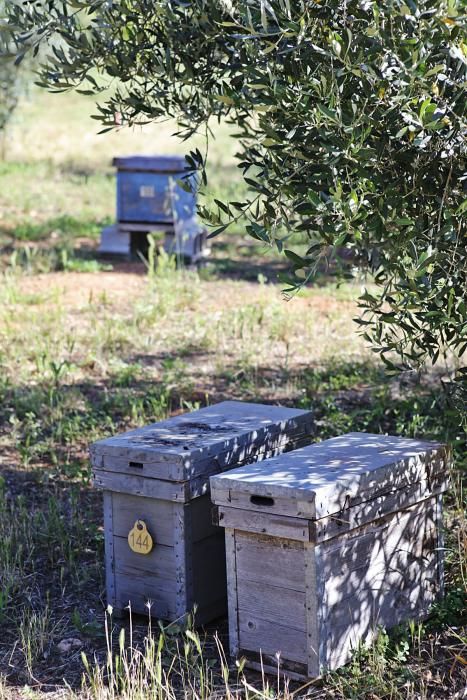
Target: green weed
377 669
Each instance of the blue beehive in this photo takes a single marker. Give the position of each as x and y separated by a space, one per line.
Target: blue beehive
150 197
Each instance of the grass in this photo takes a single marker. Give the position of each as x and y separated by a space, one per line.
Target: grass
89 348
58 169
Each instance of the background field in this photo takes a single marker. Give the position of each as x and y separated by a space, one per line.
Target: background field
89 347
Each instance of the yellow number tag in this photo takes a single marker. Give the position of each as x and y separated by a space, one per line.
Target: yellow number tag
139 539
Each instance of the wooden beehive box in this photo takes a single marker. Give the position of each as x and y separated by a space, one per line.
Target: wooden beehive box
157 478
326 543
155 193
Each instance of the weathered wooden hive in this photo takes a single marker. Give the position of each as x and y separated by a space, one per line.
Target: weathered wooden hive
326 543
160 543
151 197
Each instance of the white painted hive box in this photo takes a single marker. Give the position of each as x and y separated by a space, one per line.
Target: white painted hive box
326 543
161 546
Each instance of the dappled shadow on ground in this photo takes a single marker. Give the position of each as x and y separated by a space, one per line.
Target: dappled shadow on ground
53 518
41 246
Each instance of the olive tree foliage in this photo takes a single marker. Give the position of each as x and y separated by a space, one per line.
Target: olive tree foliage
351 128
10 78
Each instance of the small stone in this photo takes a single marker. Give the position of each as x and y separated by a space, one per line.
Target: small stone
67 645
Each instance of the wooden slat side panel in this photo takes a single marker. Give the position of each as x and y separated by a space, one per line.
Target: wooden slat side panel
146 596
232 599
160 562
311 604
272 616
183 559
157 514
380 576
109 550
265 560
264 523
271 638
268 664
161 587
272 603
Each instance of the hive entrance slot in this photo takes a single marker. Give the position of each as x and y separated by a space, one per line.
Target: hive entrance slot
136 465
262 500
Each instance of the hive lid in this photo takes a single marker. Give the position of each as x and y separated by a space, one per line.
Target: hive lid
159 164
324 478
203 441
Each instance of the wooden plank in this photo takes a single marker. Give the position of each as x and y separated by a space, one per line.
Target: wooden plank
184 560
263 559
336 473
165 467
159 562
109 551
264 503
321 610
311 606
232 602
139 486
263 523
271 638
139 591
267 664
383 575
353 545
273 603
156 513
160 585
367 511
